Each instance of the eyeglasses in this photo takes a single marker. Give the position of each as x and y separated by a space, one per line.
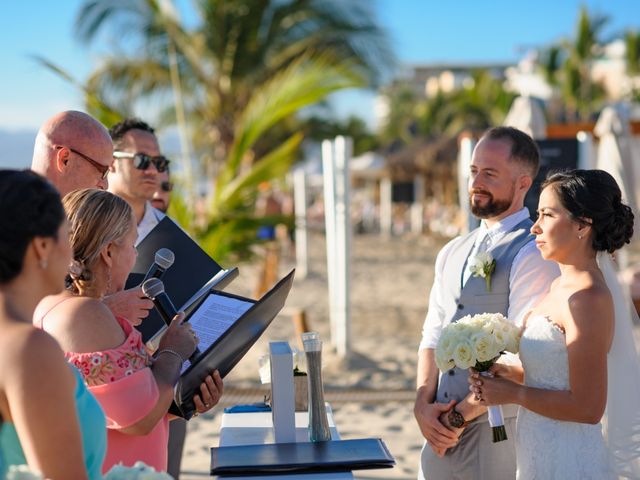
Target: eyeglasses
103 169
141 161
166 186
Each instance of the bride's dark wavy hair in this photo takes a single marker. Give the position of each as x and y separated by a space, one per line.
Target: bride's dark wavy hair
592 197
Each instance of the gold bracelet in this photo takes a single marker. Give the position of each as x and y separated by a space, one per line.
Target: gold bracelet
172 352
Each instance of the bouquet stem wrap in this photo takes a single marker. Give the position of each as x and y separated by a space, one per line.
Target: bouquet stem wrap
496 419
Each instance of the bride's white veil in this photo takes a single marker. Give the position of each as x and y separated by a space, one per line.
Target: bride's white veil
621 422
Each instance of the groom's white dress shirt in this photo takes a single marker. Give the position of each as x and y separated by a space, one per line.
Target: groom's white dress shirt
529 279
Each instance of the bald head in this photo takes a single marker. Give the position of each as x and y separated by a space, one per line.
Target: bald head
73 150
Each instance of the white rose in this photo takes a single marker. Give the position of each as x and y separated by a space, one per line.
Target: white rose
444 362
500 338
22 472
513 341
484 346
463 355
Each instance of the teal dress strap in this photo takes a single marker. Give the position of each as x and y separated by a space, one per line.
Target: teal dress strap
93 427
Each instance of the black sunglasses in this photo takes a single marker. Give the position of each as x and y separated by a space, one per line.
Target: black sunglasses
166 186
141 161
103 169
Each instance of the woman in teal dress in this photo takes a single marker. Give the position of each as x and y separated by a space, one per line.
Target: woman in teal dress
49 419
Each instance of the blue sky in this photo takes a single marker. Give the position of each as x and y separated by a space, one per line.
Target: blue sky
421 32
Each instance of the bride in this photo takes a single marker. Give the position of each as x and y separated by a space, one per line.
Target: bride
577 350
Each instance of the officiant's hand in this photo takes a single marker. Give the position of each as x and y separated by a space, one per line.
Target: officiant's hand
130 304
439 437
493 391
179 337
210 392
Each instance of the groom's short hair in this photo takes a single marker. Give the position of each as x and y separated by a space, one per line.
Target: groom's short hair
523 149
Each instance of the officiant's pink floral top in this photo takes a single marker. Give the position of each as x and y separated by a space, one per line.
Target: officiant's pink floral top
107 366
124 385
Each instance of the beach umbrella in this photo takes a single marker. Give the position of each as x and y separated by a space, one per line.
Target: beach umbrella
615 153
526 114
369 165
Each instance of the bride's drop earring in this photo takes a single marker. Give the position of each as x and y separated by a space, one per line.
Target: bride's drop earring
579 237
43 264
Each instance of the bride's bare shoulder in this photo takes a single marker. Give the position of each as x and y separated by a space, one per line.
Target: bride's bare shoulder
591 307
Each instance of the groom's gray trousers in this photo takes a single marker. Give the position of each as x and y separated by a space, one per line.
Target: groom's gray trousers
475 457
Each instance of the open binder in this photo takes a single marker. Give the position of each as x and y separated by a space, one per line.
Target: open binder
302 457
227 325
223 342
191 276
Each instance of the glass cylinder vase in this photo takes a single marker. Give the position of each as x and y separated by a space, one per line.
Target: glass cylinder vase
318 423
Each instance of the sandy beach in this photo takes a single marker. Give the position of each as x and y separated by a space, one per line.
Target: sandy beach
372 391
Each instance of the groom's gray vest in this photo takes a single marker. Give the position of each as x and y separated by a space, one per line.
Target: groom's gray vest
472 297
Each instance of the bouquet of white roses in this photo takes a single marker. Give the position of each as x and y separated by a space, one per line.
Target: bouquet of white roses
477 341
140 471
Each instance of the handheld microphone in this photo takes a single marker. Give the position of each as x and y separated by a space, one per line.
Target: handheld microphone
163 260
153 289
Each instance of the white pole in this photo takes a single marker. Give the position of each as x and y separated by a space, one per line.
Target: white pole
417 207
385 207
343 148
300 209
586 151
328 175
464 162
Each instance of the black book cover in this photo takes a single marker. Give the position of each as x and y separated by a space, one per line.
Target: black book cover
184 281
302 457
229 347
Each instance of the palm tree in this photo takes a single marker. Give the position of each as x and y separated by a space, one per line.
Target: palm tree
242 71
632 57
235 47
581 95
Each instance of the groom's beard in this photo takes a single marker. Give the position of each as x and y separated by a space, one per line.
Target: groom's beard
493 207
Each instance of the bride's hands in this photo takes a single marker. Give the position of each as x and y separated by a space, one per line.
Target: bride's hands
492 390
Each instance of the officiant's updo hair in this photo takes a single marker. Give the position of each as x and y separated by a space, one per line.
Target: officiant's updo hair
31 207
96 218
593 196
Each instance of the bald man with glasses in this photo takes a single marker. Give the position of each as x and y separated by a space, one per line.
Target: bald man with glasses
73 150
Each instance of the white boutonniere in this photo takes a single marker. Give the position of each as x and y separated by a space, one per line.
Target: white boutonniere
483 265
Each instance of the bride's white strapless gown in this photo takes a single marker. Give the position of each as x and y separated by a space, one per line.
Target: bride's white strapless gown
553 449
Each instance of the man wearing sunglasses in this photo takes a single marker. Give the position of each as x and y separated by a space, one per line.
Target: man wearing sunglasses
73 150
162 196
135 173
138 172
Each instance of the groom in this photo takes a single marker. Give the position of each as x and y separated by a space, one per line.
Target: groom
458 436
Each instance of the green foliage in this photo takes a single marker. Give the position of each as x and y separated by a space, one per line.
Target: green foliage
245 68
318 128
632 43
582 97
484 102
401 119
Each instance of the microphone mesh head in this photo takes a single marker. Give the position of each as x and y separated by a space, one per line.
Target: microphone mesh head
165 258
152 288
